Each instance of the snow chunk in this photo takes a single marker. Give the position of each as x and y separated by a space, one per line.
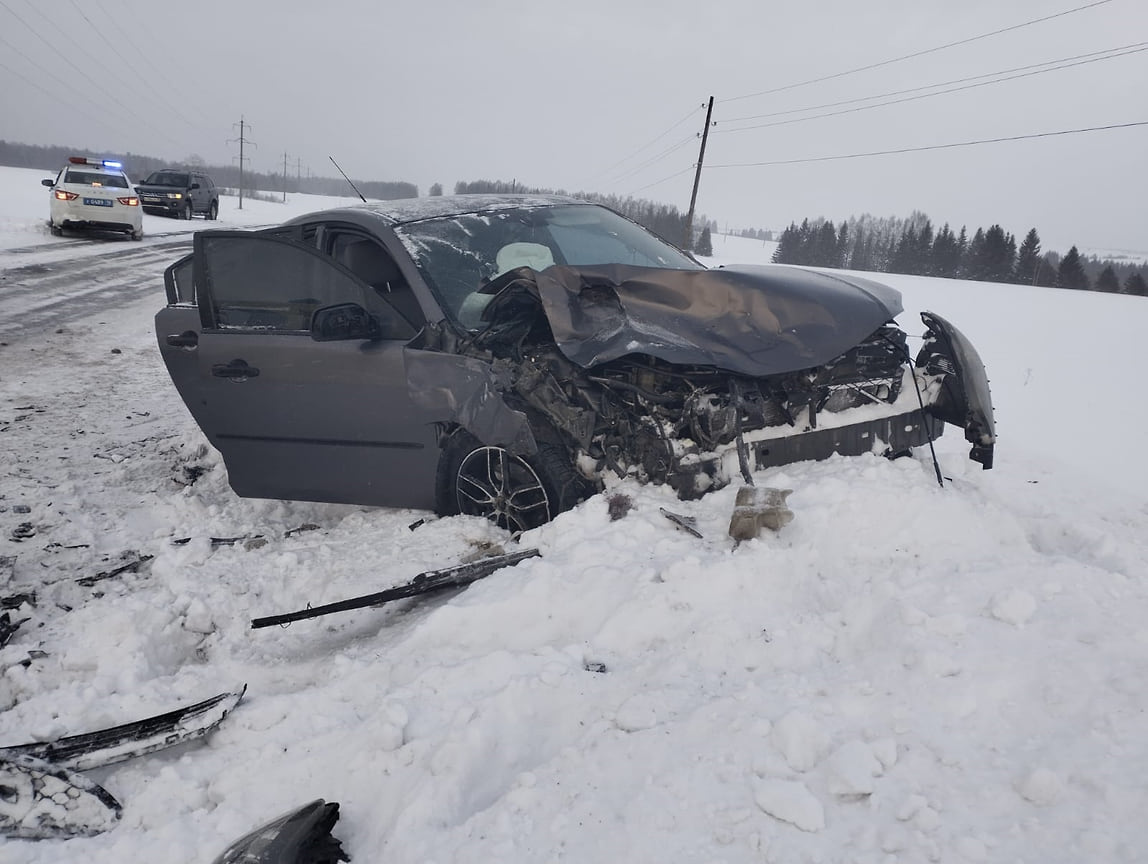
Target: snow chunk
790 801
1041 786
636 713
800 739
852 768
1013 607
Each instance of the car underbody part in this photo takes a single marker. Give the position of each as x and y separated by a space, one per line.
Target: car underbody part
302 836
432 580
41 801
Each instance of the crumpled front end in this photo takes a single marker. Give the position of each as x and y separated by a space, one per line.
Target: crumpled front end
660 408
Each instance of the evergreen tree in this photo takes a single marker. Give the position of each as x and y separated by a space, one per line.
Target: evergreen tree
994 262
945 256
975 257
1028 259
704 245
1071 273
788 246
435 189
923 251
1136 285
1107 281
1047 270
824 251
843 245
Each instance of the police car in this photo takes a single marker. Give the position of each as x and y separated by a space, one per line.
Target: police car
94 193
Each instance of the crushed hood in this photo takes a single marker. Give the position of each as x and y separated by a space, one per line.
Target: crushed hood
757 321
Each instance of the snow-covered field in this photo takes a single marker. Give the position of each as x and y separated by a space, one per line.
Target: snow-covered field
904 673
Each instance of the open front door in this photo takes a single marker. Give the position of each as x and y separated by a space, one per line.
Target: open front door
293 417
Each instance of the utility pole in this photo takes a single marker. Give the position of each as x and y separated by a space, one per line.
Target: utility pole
284 176
698 178
242 139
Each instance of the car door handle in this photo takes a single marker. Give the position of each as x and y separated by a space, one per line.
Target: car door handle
236 370
186 339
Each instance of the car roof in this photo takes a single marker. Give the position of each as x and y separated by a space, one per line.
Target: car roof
404 210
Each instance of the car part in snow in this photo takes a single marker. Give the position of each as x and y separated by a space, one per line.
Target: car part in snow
759 507
432 580
8 627
302 836
516 492
689 524
964 399
39 801
118 743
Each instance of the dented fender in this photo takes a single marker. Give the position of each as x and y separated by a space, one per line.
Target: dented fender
465 390
964 400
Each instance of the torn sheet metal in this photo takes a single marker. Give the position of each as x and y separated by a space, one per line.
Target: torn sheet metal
465 390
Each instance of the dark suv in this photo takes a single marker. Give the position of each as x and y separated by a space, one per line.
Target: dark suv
179 192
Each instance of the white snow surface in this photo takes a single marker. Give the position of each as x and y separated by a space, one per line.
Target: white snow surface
904 673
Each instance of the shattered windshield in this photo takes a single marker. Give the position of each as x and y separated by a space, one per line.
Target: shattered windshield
459 254
164 178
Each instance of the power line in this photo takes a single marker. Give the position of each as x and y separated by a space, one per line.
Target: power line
930 147
657 157
664 179
690 114
171 106
128 112
1106 51
72 105
917 53
937 93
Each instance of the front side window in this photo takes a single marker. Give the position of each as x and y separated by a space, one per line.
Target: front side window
457 254
263 283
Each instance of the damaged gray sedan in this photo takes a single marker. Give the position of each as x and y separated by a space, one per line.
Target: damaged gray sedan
500 355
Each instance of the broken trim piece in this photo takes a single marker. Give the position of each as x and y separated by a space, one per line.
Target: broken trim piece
119 743
41 801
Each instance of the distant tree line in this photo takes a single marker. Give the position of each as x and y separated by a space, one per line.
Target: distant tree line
665 220
912 246
138 167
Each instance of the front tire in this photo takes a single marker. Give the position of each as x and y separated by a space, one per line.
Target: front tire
213 211
517 493
186 213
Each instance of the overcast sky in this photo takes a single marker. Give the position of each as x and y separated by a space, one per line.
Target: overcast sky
608 96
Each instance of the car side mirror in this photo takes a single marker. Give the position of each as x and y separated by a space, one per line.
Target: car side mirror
47 182
193 186
343 322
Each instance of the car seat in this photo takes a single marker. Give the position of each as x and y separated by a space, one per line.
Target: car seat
371 263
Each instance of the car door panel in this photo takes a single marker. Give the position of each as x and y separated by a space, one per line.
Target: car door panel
295 418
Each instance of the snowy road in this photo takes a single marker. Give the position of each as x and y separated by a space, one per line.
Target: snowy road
78 279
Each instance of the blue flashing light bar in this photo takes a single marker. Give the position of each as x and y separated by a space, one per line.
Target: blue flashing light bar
108 163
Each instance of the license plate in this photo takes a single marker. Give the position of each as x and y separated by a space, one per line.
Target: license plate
98 202
149 199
